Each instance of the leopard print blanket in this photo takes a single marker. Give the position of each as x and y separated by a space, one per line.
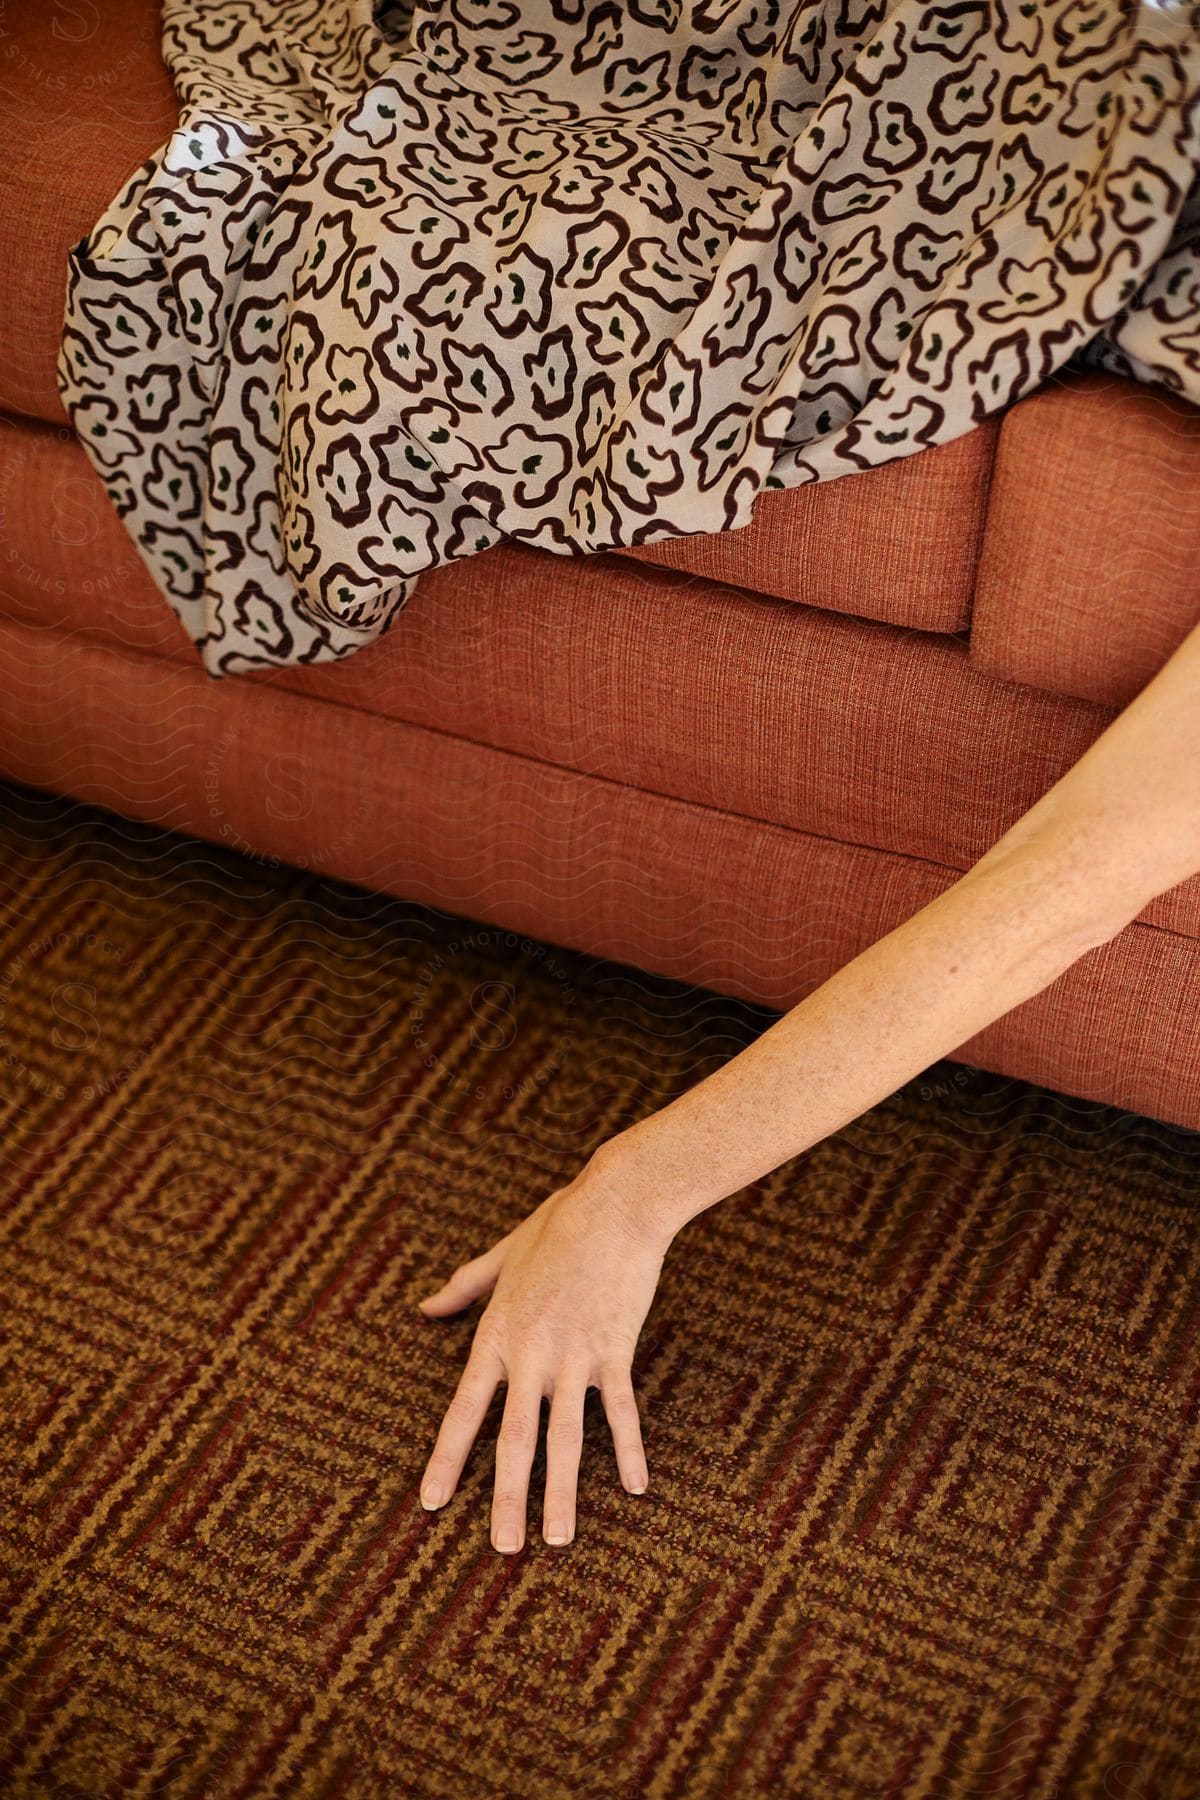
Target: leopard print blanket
409 279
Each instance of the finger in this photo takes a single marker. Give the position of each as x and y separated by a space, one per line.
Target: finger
463 1417
620 1409
515 1448
564 1443
468 1282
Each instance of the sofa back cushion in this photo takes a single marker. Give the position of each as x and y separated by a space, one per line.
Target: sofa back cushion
1090 572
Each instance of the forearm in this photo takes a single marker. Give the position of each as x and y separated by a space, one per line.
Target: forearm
1118 828
975 952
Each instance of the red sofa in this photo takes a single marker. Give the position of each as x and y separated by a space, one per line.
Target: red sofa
736 760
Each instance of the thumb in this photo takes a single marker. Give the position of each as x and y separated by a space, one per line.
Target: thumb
468 1282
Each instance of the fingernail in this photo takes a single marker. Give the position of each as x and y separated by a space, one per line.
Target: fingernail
508 1541
557 1533
639 1489
432 1496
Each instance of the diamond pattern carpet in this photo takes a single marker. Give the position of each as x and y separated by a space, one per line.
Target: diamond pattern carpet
920 1408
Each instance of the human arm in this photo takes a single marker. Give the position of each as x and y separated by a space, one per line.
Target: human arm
570 1287
1119 828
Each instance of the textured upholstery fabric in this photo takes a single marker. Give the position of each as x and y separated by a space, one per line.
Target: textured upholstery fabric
65 557
899 543
688 891
788 714
1090 572
85 100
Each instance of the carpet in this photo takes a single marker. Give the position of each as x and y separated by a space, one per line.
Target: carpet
920 1408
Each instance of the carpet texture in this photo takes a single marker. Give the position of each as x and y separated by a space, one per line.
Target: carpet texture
920 1409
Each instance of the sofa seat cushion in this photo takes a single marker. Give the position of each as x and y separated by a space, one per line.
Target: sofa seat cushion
1090 571
86 101
899 543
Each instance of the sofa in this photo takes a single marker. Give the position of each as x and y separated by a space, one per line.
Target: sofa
735 760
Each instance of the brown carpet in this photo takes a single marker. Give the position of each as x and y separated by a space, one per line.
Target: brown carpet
921 1409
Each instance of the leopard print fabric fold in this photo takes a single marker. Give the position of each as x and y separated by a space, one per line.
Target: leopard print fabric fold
409 280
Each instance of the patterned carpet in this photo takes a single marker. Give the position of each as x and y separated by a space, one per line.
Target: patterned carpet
920 1409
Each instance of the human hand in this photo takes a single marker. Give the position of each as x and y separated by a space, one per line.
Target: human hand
570 1289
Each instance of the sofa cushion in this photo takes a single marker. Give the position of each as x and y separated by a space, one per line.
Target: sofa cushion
86 100
897 543
1089 575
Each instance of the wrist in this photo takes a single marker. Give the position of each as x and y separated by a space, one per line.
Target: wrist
620 1172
